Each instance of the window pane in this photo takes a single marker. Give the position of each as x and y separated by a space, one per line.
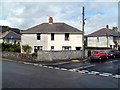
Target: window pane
52 36
66 36
38 36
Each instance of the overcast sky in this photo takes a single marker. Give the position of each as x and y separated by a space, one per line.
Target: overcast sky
25 14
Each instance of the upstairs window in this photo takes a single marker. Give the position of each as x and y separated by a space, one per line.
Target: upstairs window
66 36
38 36
52 36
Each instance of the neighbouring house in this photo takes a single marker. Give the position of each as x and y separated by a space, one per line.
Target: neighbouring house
104 37
10 37
52 36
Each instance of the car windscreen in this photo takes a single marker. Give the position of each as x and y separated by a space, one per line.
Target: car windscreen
94 52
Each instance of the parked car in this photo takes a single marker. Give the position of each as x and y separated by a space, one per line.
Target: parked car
98 54
113 53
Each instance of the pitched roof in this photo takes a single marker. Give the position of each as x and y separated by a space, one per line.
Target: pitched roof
52 28
11 34
104 32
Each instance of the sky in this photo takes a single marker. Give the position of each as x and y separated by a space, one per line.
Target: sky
26 14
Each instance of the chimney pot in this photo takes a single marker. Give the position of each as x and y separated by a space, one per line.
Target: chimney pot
107 26
50 20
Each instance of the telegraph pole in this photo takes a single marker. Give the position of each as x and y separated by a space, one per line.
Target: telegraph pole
83 23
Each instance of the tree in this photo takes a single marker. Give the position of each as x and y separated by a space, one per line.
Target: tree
27 48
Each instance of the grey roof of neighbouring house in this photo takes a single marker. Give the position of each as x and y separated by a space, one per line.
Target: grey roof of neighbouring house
52 28
11 34
104 32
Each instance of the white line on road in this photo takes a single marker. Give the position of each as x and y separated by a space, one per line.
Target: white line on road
35 64
56 68
85 71
81 71
63 69
117 76
71 70
50 67
45 66
105 74
86 66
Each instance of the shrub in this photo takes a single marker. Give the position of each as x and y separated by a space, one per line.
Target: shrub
27 48
10 47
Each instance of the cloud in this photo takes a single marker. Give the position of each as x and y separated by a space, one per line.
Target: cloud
24 15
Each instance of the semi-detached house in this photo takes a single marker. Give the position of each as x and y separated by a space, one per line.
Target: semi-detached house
52 36
104 37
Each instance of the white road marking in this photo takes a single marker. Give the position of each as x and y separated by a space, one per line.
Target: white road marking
40 65
85 71
45 66
93 72
50 67
117 76
105 74
81 72
85 66
56 68
63 69
71 70
26 63
35 64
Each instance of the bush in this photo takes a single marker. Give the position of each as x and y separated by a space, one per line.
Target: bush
27 48
10 47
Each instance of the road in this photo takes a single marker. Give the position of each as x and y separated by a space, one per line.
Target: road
19 75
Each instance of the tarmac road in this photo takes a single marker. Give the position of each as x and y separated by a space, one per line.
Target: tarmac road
18 75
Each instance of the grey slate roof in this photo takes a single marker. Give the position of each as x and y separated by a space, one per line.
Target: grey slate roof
11 34
104 32
52 28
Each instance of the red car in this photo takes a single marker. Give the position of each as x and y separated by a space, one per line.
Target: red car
98 54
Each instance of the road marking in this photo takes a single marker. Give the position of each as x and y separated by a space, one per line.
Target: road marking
50 67
81 72
86 66
45 66
56 68
117 76
35 64
105 74
93 72
26 63
71 70
63 69
86 71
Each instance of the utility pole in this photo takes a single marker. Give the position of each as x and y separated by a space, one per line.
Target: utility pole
83 23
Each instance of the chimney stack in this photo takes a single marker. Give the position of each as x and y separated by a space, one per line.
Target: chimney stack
107 26
114 28
50 20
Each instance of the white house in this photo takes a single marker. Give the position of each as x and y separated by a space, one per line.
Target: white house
104 37
52 36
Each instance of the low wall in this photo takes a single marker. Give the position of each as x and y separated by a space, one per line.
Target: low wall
59 55
17 56
44 56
